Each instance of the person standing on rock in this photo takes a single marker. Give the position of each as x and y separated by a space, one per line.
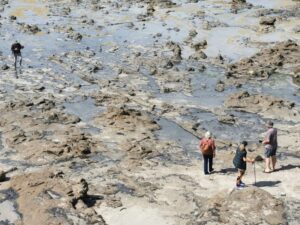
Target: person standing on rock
270 142
240 162
16 50
208 149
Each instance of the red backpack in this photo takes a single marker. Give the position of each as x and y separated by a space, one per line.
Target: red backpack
206 147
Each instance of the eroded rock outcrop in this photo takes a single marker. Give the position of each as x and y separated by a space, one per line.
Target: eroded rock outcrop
247 206
268 106
263 64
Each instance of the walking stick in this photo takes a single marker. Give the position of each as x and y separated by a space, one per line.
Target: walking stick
254 174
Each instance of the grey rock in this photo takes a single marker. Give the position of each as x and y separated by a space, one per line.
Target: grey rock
227 119
198 55
12 18
33 29
297 29
176 50
220 86
168 64
75 36
5 67
269 21
193 33
246 206
199 45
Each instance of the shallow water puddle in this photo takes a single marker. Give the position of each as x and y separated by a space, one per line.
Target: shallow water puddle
28 8
85 109
277 4
248 126
172 131
278 85
228 41
202 94
203 85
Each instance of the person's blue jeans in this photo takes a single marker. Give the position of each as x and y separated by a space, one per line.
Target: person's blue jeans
208 163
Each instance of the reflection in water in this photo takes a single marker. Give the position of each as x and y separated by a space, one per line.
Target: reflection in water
29 1
23 10
277 4
26 8
85 109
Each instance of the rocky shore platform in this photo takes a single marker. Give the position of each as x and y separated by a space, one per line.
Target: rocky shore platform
102 122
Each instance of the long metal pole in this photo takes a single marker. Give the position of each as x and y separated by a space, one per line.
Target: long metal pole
254 170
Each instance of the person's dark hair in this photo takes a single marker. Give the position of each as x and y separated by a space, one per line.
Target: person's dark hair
245 143
270 123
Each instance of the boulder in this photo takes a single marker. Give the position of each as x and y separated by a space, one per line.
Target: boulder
32 29
227 119
193 33
198 55
5 67
199 45
220 86
269 21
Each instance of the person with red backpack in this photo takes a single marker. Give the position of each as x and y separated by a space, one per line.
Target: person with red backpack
208 149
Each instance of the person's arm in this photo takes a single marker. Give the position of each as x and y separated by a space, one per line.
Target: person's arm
248 160
200 144
213 147
267 139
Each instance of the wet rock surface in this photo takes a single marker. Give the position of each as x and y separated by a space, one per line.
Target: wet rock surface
267 21
283 56
267 105
104 117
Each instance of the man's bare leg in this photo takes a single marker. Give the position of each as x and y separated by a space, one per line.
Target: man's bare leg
268 163
273 162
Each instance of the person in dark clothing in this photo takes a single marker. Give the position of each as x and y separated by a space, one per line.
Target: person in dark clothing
240 162
16 50
207 147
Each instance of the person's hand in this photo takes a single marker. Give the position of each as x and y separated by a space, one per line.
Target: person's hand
214 155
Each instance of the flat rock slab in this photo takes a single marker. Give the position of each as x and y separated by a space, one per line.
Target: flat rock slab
246 206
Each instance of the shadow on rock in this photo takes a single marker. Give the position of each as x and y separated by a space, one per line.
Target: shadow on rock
288 167
267 183
227 171
91 200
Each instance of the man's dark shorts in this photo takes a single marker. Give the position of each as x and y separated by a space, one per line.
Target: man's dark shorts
270 151
17 54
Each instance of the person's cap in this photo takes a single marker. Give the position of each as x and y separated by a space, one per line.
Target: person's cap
270 123
245 143
207 134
